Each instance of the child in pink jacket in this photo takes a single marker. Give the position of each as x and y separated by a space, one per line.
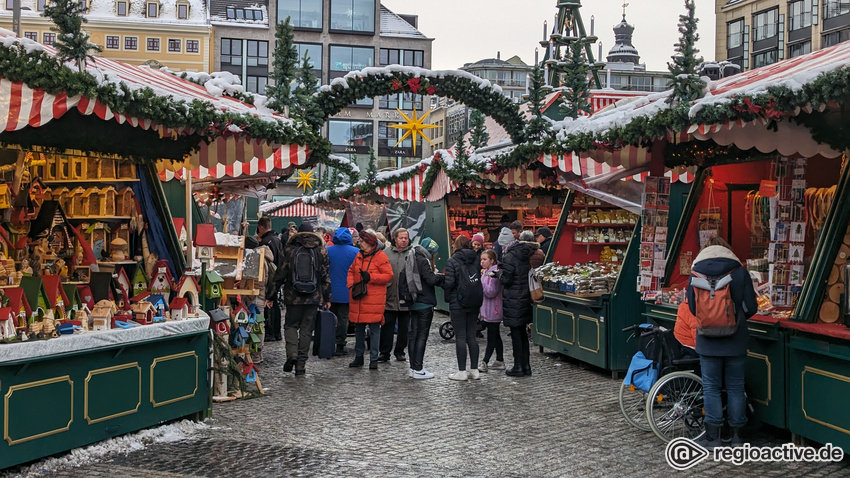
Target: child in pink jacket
491 311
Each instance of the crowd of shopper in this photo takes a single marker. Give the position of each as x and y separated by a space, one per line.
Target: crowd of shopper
388 287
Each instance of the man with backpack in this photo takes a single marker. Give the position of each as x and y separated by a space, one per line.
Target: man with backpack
396 312
465 294
268 238
721 297
306 287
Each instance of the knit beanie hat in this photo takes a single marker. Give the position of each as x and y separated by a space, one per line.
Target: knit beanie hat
430 245
478 237
305 227
505 237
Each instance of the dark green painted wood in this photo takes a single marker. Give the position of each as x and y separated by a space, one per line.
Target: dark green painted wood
114 392
161 202
437 228
765 373
175 196
688 209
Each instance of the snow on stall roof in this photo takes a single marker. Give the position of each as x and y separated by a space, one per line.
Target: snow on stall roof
394 25
391 70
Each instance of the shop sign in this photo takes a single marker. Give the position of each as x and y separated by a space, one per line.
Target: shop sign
519 203
473 200
406 152
767 189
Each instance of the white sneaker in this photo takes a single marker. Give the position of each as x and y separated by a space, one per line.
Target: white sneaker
497 365
410 373
460 375
422 374
473 374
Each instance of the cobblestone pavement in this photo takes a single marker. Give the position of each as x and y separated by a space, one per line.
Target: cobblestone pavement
337 421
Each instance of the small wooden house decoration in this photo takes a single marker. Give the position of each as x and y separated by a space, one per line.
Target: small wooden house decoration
78 168
241 315
18 303
123 280
77 208
99 168
139 281
144 313
86 295
162 282
74 304
189 289
107 201
56 296
256 313
159 303
91 202
63 167
219 322
5 196
108 169
205 241
126 170
97 235
214 285
51 169
101 315
37 296
182 233
125 203
179 308
7 324
123 233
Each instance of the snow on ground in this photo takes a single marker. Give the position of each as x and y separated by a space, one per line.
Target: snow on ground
129 443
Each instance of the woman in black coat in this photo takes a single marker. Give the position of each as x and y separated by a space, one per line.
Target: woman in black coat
464 318
516 300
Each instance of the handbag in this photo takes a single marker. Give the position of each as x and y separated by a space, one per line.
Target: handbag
358 290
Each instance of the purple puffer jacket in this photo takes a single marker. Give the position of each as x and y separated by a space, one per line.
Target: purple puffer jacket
491 309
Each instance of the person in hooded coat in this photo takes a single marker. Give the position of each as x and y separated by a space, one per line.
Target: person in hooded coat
301 308
517 308
464 319
505 238
422 308
372 266
272 313
341 255
723 359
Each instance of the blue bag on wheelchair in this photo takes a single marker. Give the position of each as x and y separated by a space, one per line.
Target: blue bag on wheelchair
642 373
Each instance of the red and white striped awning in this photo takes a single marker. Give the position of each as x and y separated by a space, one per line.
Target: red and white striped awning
277 164
298 209
24 106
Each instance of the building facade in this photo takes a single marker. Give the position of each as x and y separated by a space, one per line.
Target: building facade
171 33
511 74
752 33
623 69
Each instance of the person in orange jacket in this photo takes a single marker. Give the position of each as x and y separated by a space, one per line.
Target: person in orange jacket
685 329
372 266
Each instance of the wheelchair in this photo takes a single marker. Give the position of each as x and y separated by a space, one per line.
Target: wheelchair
673 406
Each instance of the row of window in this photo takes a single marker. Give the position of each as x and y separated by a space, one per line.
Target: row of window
244 14
46 38
122 8
113 42
358 136
766 23
346 15
772 56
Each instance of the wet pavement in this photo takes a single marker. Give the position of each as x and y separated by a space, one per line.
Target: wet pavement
337 421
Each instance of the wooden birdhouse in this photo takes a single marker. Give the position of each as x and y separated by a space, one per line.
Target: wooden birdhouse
108 169
7 323
51 168
76 207
182 233
5 196
220 322
36 296
241 315
59 195
74 304
56 296
189 289
179 308
18 303
214 285
159 304
144 313
91 202
97 236
63 167
107 201
123 233
78 168
162 282
126 170
99 168
139 282
101 315
205 241
125 203
86 295
123 280
256 314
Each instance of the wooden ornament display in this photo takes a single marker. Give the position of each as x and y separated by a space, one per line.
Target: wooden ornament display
843 255
834 275
829 312
835 293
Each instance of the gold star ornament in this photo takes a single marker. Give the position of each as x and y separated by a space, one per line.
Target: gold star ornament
305 180
414 128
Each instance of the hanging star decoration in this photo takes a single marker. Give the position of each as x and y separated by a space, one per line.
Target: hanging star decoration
414 128
305 180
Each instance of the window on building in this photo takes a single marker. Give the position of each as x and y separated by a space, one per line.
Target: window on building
734 33
131 43
301 13
10 5
388 144
256 84
799 14
764 58
153 44
353 15
799 49
313 51
640 83
193 46
152 10
231 52
402 101
346 58
40 4
258 53
252 14
48 38
121 9
31 36
835 38
113 42
391 56
834 8
174 45
350 136
765 24
182 11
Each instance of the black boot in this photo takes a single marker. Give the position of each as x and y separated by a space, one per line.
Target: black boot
340 351
736 438
711 437
358 362
526 370
373 365
515 371
290 362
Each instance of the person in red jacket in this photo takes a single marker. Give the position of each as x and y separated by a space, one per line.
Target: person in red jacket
373 267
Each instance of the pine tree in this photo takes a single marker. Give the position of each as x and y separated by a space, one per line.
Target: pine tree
304 103
71 42
480 136
284 66
461 155
536 95
687 85
372 172
577 96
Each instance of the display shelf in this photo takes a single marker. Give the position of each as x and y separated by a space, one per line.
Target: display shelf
599 225
86 181
98 218
600 243
590 206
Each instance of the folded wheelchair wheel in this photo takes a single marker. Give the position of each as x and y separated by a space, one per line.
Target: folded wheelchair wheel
633 405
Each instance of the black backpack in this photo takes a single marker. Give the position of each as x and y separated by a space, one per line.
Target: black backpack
304 264
470 292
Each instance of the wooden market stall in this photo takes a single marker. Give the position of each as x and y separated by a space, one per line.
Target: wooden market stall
86 228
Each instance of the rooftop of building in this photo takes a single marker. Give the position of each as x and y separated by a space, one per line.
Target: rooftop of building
512 62
218 11
393 25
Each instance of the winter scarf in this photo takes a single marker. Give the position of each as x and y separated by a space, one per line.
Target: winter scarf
414 280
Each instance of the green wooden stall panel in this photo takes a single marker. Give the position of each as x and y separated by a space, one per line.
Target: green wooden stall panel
174 378
437 228
818 387
565 329
765 373
544 325
38 409
112 392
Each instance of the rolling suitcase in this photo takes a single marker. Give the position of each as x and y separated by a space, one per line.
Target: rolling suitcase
324 334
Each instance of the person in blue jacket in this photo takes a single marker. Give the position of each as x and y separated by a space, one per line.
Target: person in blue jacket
341 255
723 359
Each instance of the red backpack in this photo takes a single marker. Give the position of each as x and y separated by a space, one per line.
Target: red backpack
715 310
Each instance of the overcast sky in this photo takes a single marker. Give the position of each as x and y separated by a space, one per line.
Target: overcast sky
466 31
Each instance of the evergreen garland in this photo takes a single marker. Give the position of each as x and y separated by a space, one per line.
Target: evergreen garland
283 67
480 136
72 44
576 98
687 85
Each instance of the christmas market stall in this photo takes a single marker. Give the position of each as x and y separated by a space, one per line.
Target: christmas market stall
90 258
